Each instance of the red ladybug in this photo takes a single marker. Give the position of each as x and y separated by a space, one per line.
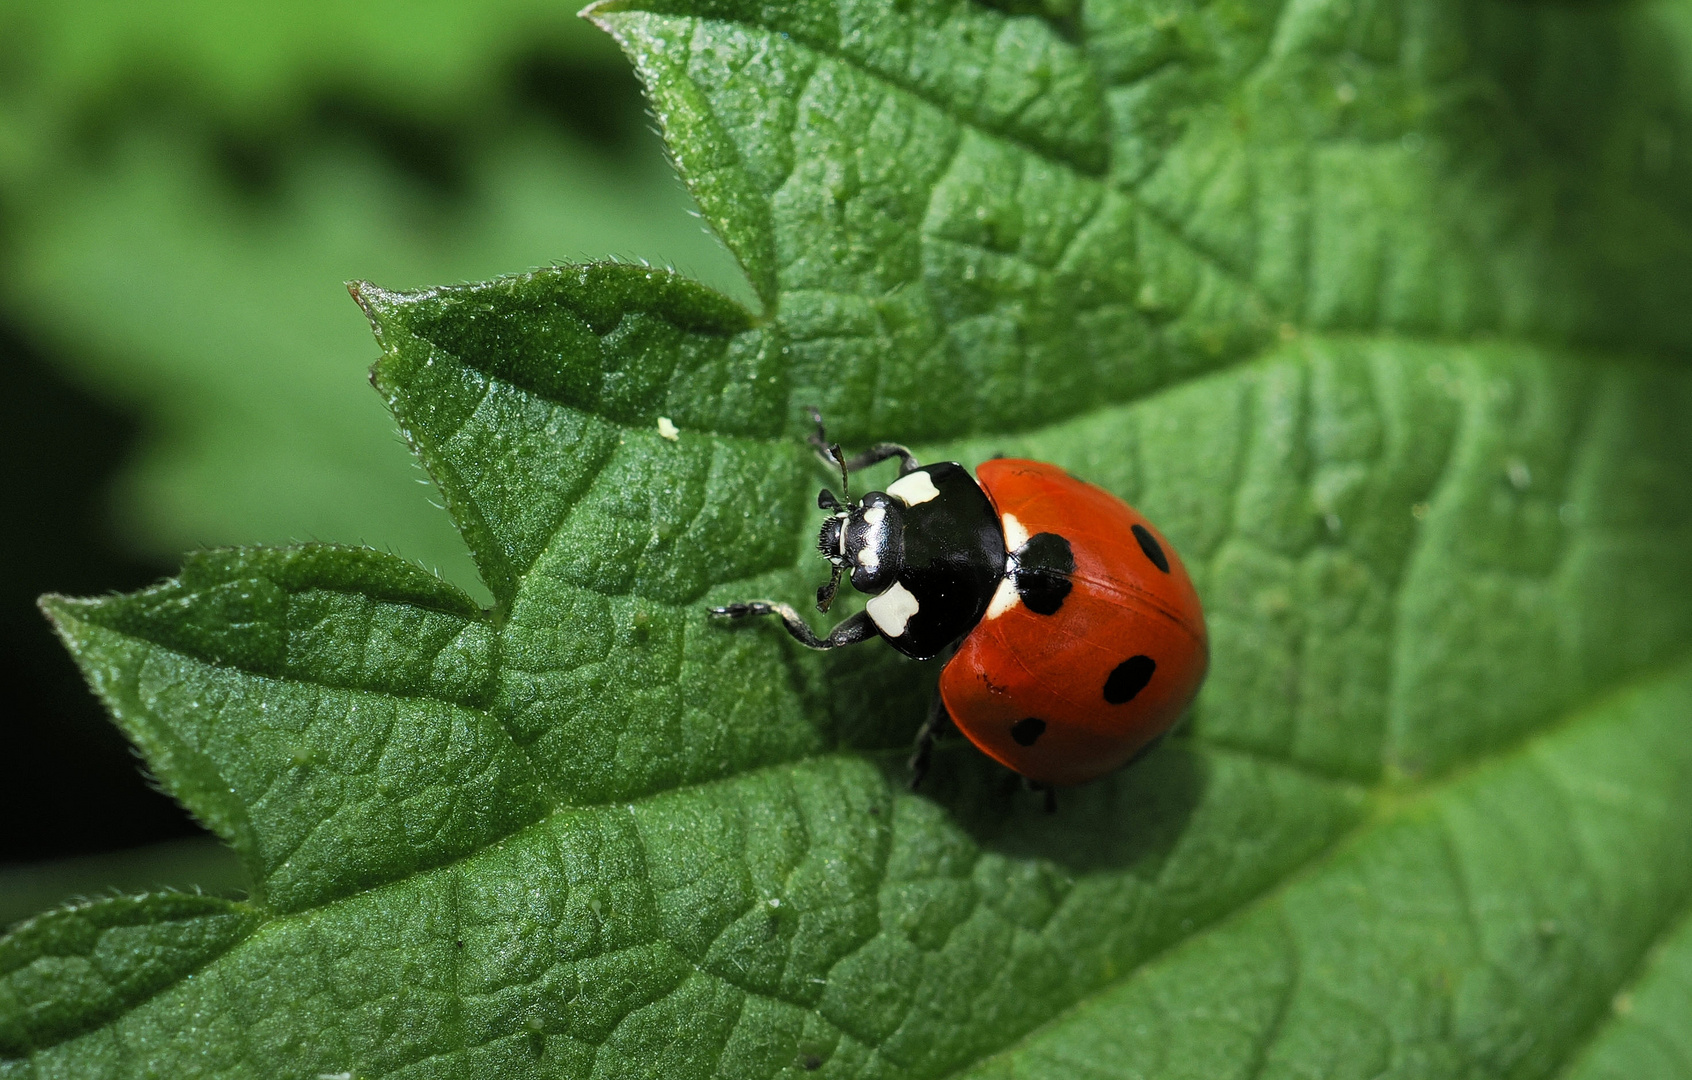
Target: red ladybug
1079 637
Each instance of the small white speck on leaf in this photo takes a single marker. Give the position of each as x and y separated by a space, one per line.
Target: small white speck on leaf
1520 476
668 430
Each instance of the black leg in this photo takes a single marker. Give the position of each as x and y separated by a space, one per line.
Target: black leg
930 730
873 456
1049 791
1156 742
880 452
849 631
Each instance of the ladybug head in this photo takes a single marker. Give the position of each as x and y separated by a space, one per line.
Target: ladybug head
865 537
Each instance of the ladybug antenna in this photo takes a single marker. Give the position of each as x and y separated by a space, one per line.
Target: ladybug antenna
845 481
832 540
819 442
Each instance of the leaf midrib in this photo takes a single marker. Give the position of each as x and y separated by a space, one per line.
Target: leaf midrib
494 615
500 613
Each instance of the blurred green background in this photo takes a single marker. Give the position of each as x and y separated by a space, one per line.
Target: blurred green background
184 187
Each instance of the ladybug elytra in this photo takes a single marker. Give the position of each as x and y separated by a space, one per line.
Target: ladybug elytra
1079 639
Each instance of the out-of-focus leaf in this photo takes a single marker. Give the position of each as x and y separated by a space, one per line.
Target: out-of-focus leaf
227 322
65 67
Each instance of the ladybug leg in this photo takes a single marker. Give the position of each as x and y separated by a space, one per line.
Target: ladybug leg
930 730
1156 742
848 631
881 452
1049 790
876 454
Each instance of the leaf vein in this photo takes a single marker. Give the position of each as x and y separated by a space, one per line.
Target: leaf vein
915 90
1265 1042
1604 1021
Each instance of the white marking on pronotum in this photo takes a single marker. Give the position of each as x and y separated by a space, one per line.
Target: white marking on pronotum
845 520
668 430
892 610
913 488
1004 598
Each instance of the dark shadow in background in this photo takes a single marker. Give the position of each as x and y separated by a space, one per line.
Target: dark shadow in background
598 100
69 783
595 100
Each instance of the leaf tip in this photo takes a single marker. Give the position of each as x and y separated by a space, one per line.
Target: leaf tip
61 610
376 303
595 11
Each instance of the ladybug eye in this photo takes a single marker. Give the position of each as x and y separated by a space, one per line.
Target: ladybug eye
827 501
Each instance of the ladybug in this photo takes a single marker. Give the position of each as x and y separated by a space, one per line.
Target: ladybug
1076 637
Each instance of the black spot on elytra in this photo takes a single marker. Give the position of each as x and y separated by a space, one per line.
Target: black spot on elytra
1153 550
1043 593
1027 732
1129 678
1043 566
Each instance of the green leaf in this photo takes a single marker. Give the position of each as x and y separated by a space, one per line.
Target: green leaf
1374 311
